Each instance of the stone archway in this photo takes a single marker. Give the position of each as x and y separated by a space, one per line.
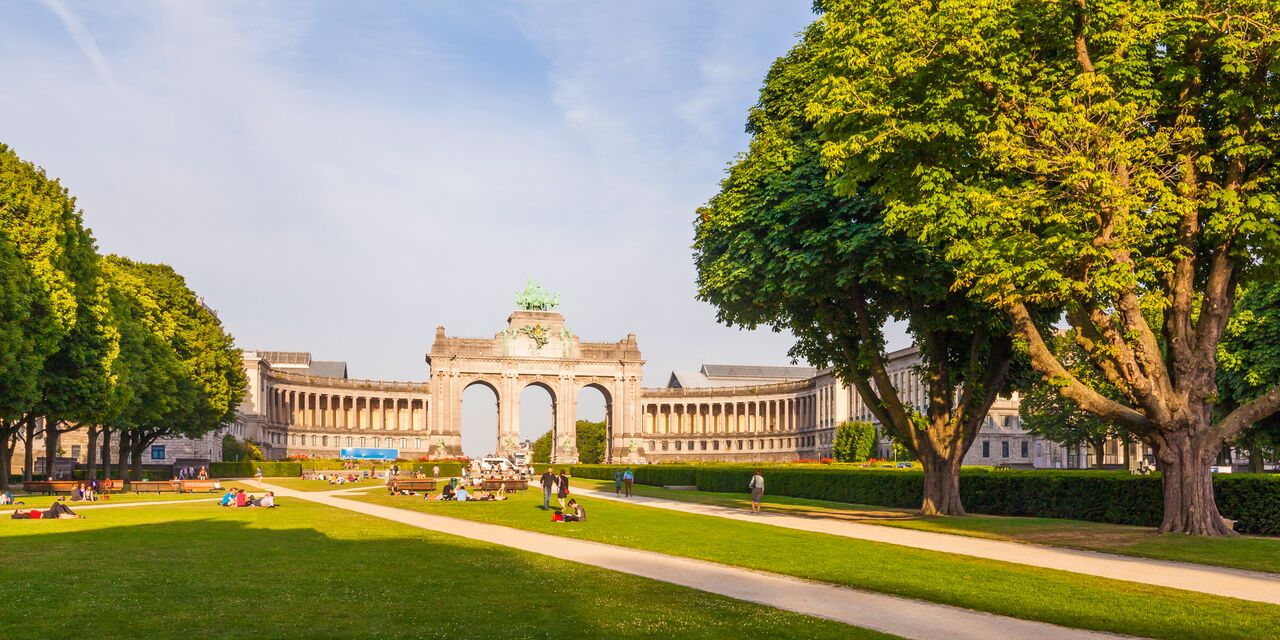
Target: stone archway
498 399
537 348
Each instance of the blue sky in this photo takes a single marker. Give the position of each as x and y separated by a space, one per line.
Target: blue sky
340 178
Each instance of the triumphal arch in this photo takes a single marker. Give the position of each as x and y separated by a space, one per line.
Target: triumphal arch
536 348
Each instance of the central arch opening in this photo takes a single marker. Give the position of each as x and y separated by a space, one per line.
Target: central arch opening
537 413
593 406
479 419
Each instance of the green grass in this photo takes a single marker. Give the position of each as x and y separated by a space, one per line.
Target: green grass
298 484
1058 597
1256 553
309 571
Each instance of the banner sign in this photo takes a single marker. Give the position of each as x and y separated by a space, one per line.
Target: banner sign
369 454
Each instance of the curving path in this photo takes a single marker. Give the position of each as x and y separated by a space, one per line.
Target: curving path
898 616
1221 581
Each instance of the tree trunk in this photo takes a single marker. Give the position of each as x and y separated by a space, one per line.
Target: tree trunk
6 455
941 484
1189 503
1099 452
91 460
106 452
29 460
124 457
50 448
135 456
1128 461
1256 462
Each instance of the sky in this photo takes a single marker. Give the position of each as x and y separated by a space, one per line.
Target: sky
341 178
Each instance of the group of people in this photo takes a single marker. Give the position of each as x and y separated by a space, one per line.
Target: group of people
237 498
191 473
623 479
455 490
570 511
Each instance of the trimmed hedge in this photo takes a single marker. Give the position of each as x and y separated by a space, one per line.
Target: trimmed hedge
249 468
1252 500
447 468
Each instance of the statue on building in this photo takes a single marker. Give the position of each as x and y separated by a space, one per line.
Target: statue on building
536 298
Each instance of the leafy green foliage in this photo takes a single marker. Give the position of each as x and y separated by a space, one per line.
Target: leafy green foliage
542 448
1047 413
854 441
591 441
247 469
20 358
234 450
1249 366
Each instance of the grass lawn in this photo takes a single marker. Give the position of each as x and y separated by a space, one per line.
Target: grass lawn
298 484
43 502
309 571
1245 552
1003 588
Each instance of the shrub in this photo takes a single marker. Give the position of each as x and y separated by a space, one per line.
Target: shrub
248 469
1252 500
854 441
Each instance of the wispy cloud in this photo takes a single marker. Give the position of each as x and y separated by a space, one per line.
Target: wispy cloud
80 35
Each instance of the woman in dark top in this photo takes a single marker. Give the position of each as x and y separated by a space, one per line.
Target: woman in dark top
564 488
578 513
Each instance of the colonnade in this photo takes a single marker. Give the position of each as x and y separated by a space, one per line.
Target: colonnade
730 416
328 410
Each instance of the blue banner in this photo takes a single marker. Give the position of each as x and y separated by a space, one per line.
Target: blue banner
369 454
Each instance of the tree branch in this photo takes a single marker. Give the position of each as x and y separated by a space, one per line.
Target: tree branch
1047 364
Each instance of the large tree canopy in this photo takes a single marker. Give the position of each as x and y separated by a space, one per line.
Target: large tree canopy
778 247
1115 159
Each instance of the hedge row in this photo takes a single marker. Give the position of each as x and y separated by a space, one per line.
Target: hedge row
248 469
447 468
1252 500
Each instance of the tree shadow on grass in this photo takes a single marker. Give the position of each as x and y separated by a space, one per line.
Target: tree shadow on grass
315 572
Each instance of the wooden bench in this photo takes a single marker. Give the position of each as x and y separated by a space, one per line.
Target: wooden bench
157 486
47 487
493 484
415 484
190 486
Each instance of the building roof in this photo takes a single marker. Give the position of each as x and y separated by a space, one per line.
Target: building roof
733 375
286 358
328 369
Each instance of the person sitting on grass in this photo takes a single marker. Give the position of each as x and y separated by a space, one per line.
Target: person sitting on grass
228 498
393 487
241 499
447 492
578 513
268 501
462 495
7 498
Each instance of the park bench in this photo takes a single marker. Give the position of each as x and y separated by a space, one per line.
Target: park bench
493 484
189 486
157 486
47 487
416 484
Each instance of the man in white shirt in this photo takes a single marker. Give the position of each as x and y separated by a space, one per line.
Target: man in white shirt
462 495
268 500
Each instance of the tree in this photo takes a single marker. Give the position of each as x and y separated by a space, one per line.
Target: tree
591 441
1249 365
1115 159
20 361
778 247
183 370
38 217
854 441
541 450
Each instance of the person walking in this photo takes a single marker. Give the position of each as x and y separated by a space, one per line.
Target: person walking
258 475
628 479
548 480
757 491
435 472
617 482
564 488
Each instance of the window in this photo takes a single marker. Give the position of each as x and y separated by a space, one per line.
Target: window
157 452
313 441
324 441
664 445
361 443
348 441
1011 422
986 448
1004 448
1026 449
75 451
715 445
691 445
679 445
703 445
417 443
651 445
390 443
404 443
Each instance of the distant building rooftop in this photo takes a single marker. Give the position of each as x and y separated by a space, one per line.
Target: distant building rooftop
301 362
734 375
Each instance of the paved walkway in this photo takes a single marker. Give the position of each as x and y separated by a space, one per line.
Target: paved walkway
1221 581
898 616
